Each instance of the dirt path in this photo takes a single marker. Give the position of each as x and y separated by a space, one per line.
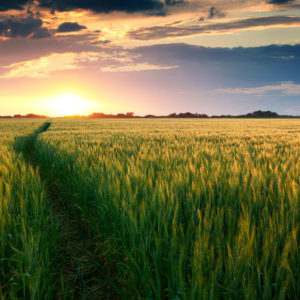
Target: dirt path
79 275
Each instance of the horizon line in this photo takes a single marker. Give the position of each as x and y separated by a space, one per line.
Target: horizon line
99 115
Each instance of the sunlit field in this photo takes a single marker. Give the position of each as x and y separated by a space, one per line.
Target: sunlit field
170 209
27 231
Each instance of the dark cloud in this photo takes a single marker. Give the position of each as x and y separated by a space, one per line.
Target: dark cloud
41 33
173 2
183 53
154 7
70 27
14 27
12 4
107 6
160 32
101 42
200 66
279 2
215 13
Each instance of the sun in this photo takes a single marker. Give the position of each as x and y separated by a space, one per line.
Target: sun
69 104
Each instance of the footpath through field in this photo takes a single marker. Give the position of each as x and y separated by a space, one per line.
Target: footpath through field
171 209
78 274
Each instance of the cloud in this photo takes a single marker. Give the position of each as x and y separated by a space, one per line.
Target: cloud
173 2
14 27
19 50
136 68
12 4
285 88
107 6
70 27
215 13
161 32
101 42
217 68
150 7
277 56
280 61
186 52
195 66
279 2
111 60
44 66
41 33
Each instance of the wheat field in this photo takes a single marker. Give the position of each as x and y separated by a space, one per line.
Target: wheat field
27 227
170 209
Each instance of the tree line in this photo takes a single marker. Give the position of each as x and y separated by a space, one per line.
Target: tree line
255 114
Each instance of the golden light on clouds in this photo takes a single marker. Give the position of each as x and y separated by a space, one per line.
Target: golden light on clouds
43 66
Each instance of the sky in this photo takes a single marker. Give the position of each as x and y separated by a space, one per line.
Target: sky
66 57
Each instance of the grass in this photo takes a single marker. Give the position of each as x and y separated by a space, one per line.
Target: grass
155 209
184 209
27 227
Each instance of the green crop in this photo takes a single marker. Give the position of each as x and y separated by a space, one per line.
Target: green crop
183 209
149 209
27 228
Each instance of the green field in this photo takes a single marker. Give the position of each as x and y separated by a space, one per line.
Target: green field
150 209
27 226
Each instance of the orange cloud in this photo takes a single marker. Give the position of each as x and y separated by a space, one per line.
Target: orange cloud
44 66
161 32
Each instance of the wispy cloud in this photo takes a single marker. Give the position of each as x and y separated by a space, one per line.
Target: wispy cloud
136 68
44 66
167 31
113 61
284 88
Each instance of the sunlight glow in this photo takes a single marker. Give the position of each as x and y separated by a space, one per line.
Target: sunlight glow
69 104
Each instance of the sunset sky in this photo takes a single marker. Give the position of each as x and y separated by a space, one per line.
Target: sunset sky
63 57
